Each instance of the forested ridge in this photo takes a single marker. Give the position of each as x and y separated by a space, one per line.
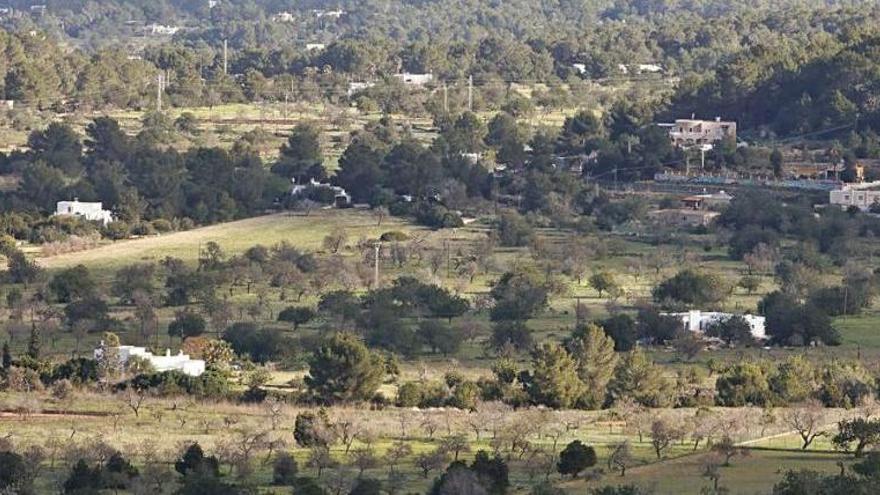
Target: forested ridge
791 66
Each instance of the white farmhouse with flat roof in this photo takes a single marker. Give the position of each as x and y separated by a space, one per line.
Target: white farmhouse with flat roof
697 321
415 79
863 196
180 362
94 212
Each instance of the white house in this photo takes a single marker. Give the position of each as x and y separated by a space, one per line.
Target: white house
333 14
358 86
472 158
686 133
861 195
181 362
415 79
94 212
283 17
315 47
649 68
162 30
340 195
698 321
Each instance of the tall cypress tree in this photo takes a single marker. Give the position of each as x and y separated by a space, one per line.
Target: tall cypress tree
34 344
7 356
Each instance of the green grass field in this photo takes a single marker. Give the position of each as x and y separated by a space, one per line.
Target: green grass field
755 473
298 229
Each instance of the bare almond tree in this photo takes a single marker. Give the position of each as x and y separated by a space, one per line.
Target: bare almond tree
395 454
727 449
620 457
663 434
156 475
207 424
135 397
321 459
432 461
364 458
339 482
806 420
430 425
455 445
275 410
274 445
53 445
347 428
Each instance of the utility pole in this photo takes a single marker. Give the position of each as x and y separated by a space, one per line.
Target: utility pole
376 246
470 93
702 158
445 98
448 258
225 57
160 83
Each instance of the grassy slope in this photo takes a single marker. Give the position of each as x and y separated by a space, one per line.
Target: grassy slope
305 232
755 473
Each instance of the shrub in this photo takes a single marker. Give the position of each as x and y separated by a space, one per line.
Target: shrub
575 457
743 384
162 226
284 470
421 394
116 230
62 389
394 236
514 230
309 430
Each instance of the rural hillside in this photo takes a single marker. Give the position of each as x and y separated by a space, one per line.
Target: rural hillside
441 247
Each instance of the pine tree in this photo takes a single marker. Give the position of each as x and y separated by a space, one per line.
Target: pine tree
554 381
343 369
593 351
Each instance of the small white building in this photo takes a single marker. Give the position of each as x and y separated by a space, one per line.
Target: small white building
340 195
358 86
180 362
697 321
862 195
415 79
649 68
283 17
332 14
707 200
162 30
315 47
94 212
472 158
